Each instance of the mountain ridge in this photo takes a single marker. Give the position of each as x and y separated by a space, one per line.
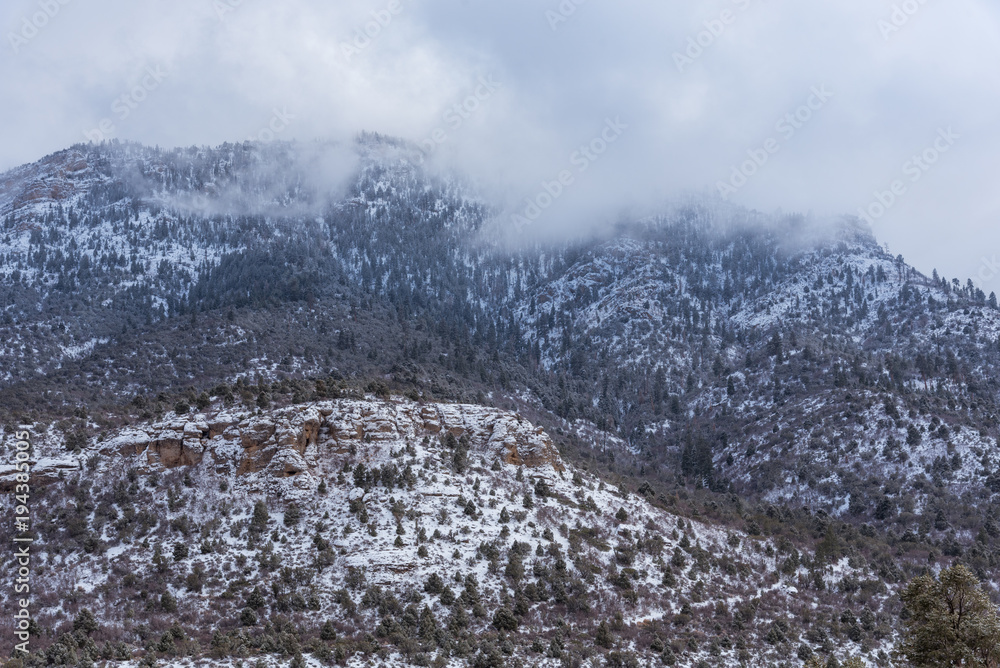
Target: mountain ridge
784 377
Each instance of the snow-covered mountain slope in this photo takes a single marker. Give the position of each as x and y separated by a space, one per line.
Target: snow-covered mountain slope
446 533
743 366
783 355
98 241
59 179
669 316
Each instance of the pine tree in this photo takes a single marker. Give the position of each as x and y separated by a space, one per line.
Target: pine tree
247 618
292 515
828 549
168 602
434 584
603 638
86 622
256 599
774 347
258 523
952 621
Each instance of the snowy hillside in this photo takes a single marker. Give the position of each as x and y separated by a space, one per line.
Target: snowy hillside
354 528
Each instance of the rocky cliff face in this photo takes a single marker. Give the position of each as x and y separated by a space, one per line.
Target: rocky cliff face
56 179
302 440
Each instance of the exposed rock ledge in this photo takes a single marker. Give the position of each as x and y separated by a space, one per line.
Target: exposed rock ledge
289 442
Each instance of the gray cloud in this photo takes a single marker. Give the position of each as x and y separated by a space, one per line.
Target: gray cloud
230 66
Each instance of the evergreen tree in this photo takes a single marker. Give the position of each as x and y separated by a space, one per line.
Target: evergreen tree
258 523
256 599
774 347
86 622
603 637
951 622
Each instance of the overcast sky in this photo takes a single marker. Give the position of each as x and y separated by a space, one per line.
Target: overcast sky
670 97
